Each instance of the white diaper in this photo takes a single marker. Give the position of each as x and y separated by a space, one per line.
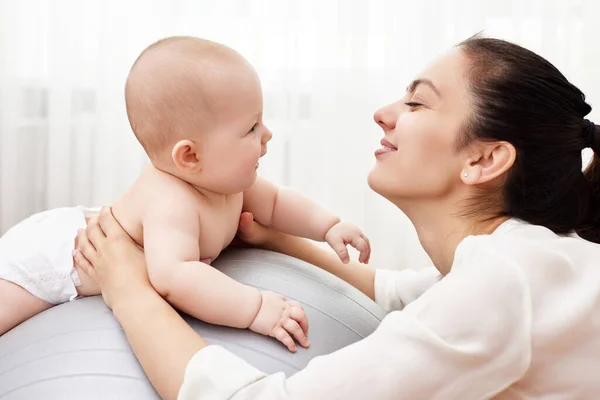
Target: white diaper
36 254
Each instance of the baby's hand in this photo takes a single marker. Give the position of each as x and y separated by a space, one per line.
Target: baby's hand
344 233
281 319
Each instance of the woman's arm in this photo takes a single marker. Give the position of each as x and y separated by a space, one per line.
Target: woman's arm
468 337
358 275
161 340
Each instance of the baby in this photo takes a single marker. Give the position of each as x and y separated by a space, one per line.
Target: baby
196 108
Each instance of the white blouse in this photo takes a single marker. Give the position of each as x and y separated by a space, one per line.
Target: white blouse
518 317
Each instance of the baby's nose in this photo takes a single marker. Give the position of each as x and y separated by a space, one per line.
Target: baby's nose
267 135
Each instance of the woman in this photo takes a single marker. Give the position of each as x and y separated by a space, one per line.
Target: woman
483 154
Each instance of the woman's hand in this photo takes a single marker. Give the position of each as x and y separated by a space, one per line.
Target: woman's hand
108 255
254 234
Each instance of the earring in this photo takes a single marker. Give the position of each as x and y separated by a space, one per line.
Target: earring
465 174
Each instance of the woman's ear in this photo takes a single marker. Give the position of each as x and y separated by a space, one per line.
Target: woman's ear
186 156
487 162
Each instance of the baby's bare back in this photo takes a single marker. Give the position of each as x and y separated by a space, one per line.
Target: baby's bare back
218 220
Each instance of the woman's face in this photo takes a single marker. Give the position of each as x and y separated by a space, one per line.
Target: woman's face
418 159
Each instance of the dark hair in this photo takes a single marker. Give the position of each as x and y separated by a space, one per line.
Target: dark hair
521 98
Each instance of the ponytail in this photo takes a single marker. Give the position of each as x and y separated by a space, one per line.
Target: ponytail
591 231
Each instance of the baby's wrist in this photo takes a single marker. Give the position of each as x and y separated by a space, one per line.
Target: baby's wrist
331 223
256 309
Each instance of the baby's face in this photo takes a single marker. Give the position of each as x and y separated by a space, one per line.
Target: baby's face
236 138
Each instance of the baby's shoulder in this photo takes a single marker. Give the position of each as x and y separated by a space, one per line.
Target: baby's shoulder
156 191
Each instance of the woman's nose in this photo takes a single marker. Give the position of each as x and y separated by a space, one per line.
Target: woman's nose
386 117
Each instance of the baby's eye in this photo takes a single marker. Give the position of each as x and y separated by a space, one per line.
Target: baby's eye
253 128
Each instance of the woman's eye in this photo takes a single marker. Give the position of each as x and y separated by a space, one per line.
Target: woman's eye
413 104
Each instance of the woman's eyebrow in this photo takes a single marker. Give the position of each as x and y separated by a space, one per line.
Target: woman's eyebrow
413 86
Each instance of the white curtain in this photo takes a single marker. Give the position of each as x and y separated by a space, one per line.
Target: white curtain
325 65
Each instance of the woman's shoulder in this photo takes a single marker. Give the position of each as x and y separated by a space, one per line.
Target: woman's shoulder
528 246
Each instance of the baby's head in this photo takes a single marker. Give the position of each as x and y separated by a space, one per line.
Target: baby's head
196 108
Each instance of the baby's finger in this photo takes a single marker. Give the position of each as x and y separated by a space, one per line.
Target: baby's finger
298 315
368 244
340 248
294 329
363 247
83 263
285 338
294 303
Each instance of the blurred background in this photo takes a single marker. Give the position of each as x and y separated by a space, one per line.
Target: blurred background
325 65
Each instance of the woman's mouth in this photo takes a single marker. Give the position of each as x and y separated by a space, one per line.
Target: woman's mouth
386 147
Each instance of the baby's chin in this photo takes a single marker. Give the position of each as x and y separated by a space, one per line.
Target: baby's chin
249 182
253 177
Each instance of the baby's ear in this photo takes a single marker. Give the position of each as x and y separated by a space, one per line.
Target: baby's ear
186 156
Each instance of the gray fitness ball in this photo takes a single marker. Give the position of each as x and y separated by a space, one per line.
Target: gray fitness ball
78 351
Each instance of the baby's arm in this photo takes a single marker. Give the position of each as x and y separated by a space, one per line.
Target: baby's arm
288 211
171 234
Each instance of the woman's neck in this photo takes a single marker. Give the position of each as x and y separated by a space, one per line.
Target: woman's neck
441 229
